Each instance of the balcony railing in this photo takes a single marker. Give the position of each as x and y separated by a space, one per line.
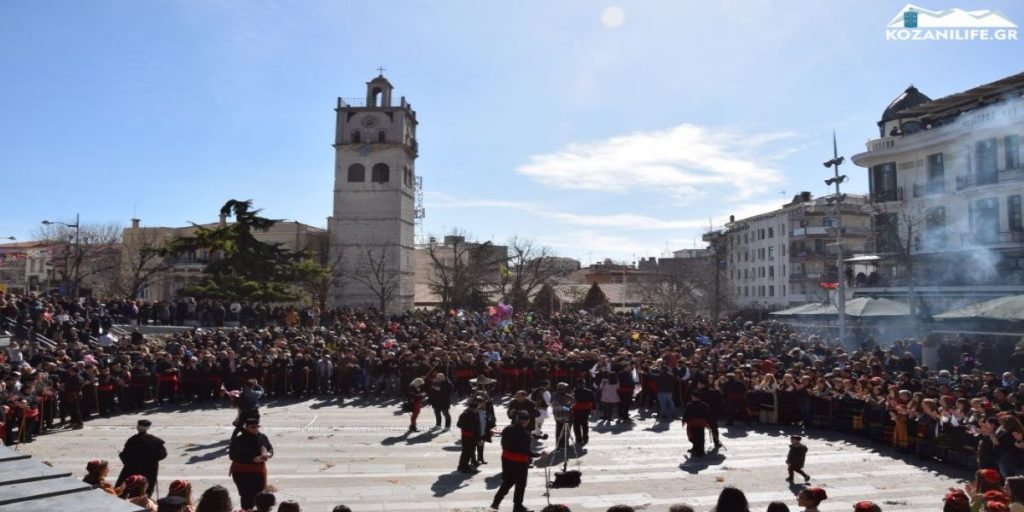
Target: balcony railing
978 180
881 196
929 189
804 276
828 231
993 238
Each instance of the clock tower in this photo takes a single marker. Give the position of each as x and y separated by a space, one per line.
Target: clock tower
372 228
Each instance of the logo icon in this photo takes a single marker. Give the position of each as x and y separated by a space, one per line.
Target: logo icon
914 23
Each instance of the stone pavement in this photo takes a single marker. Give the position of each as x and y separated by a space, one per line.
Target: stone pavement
361 455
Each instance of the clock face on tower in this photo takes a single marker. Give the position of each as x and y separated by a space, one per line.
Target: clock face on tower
369 122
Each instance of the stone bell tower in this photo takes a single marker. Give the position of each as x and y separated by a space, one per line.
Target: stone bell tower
373 226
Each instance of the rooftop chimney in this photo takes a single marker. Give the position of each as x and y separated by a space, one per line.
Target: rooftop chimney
135 223
223 220
732 218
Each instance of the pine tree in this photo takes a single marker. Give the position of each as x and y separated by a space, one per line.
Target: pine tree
546 302
242 267
596 301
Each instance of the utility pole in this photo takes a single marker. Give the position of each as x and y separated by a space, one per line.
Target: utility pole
836 200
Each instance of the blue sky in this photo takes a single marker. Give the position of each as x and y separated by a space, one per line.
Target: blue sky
600 128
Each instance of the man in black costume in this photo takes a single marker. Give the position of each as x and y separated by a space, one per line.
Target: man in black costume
141 455
516 453
249 452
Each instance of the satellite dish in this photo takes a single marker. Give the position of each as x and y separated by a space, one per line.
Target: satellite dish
235 307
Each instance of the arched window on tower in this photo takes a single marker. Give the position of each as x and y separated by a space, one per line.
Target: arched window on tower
357 173
381 173
382 136
357 137
376 97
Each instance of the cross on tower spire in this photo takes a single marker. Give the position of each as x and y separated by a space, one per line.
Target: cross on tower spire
381 70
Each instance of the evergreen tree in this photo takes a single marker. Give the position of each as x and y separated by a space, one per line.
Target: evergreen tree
242 267
546 302
596 301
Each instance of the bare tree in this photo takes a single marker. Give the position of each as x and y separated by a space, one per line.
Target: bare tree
324 277
143 259
714 280
90 254
676 287
529 266
374 270
461 271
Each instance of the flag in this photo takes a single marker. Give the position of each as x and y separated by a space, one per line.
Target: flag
503 271
828 285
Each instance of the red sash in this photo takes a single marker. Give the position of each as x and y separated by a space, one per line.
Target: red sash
515 456
583 406
106 388
468 434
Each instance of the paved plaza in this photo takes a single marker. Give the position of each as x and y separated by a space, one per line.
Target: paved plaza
360 454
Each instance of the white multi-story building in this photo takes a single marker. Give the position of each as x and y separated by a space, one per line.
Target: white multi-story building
780 258
946 176
374 197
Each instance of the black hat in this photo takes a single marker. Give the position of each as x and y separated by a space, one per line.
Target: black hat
252 421
795 438
145 423
523 416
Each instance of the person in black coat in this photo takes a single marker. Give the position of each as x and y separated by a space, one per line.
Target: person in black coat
716 407
141 455
440 395
522 403
516 453
581 412
472 435
249 452
485 410
696 420
796 458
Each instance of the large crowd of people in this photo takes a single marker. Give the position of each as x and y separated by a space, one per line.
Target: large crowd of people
962 410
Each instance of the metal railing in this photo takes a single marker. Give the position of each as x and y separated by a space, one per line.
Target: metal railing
12 326
992 238
991 178
929 189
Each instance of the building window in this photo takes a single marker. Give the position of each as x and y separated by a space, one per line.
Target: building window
935 229
381 173
357 137
382 136
746 291
1012 143
771 232
936 172
356 173
771 272
886 233
984 216
783 272
783 291
760 234
986 168
771 253
1013 208
883 182
771 290
783 249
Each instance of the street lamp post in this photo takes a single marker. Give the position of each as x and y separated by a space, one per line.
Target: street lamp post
77 225
835 200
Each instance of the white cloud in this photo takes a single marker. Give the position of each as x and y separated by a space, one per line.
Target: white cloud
616 220
601 244
684 161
